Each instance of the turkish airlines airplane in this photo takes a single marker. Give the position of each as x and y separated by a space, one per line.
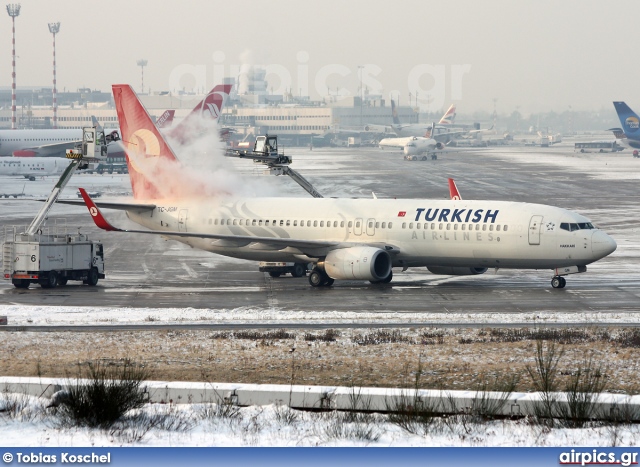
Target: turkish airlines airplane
353 239
32 167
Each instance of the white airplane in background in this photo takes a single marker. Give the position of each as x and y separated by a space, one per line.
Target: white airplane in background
414 129
32 167
38 143
55 142
353 239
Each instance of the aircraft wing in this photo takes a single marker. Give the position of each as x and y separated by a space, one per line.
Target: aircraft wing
137 207
311 248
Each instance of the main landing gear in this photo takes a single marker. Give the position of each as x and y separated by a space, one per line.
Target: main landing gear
558 282
318 278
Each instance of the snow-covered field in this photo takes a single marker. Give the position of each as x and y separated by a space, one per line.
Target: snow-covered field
208 425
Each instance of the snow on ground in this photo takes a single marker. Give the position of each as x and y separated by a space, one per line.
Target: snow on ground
22 315
204 425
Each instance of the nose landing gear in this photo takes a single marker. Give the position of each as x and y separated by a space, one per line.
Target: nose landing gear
558 282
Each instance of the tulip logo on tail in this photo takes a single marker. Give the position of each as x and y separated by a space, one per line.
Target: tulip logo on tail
632 123
143 150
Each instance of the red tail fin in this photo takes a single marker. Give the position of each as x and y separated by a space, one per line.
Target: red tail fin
148 154
453 190
206 112
166 119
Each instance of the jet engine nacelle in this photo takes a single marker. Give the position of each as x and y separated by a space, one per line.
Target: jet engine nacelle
362 263
439 146
455 271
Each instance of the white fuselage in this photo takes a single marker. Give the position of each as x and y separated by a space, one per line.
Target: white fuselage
32 166
16 140
465 233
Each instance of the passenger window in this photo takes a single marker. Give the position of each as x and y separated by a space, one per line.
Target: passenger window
426 226
491 227
335 223
321 223
439 226
350 224
455 226
498 228
433 226
266 223
295 223
370 224
464 226
390 224
228 221
281 223
484 226
448 226
384 225
253 222
260 222
215 222
341 223
288 223
358 225
377 225
308 223
315 223
418 225
505 228
477 226
411 225
404 225
235 222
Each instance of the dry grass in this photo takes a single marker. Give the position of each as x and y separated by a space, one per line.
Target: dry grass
451 359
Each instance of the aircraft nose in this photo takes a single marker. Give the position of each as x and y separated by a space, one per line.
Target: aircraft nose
602 245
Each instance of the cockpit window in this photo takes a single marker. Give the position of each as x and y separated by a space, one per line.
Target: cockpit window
570 227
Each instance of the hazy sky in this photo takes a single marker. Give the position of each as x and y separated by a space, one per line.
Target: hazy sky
534 55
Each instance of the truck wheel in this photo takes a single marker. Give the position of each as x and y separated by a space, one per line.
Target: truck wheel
50 281
275 274
92 277
298 270
20 283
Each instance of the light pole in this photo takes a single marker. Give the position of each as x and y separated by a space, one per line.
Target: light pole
14 10
495 114
142 63
360 67
54 28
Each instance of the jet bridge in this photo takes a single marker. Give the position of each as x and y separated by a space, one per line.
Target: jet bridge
265 151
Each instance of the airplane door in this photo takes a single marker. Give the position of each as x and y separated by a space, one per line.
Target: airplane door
371 226
357 229
534 230
182 220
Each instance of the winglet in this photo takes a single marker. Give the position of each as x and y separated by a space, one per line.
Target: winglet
97 216
453 190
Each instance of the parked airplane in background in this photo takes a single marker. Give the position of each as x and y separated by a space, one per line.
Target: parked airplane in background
353 239
414 129
629 134
203 116
32 167
38 143
55 142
